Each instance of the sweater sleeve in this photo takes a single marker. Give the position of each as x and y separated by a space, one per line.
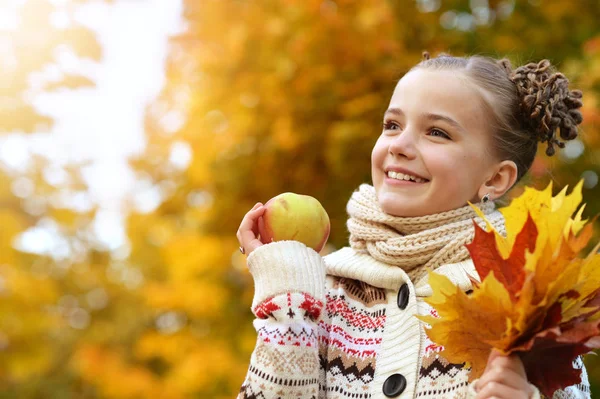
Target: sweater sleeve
578 391
289 296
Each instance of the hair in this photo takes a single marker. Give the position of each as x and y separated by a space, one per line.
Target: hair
528 104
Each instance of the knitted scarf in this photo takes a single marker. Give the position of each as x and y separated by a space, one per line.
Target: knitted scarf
415 244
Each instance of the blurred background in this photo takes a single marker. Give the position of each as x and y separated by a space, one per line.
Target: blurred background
135 134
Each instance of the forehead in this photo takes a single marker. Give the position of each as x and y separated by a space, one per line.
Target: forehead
444 92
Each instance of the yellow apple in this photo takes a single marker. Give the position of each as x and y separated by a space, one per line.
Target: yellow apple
297 217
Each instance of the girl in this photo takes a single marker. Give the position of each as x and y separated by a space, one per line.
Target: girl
343 325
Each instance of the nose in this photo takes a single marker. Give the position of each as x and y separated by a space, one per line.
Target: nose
403 145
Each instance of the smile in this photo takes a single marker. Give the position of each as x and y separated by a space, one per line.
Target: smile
404 177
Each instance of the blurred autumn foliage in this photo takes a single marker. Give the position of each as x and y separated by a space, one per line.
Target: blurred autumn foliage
270 96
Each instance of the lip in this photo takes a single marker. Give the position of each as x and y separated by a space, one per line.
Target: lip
398 169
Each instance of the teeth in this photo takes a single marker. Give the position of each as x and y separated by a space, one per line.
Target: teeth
402 176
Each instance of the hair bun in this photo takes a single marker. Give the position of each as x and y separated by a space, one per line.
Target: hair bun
547 104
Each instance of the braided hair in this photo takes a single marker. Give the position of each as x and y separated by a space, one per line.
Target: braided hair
547 103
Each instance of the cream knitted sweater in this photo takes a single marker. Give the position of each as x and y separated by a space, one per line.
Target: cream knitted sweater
343 325
337 331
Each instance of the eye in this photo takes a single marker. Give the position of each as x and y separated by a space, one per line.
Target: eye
439 133
390 125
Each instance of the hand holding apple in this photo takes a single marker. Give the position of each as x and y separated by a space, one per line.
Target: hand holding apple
297 217
247 233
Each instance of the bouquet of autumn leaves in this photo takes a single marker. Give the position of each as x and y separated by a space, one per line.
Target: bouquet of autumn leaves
537 297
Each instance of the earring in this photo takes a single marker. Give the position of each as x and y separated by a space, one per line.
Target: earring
485 198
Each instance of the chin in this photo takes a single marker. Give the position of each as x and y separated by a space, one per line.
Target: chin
405 213
401 211
395 205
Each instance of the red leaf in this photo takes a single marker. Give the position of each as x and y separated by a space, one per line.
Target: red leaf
484 252
571 294
547 320
525 240
486 258
548 357
553 316
549 365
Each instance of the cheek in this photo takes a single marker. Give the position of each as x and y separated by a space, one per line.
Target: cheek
444 164
379 148
378 155
459 168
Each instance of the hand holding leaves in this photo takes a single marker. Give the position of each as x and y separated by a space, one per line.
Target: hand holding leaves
504 377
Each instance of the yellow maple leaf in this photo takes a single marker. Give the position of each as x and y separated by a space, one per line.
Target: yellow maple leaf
466 323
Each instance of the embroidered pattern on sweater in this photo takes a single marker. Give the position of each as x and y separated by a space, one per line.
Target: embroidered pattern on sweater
350 336
294 334
360 291
260 384
440 379
311 307
282 361
351 311
279 366
353 368
335 337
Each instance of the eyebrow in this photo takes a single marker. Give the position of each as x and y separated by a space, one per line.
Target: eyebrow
429 116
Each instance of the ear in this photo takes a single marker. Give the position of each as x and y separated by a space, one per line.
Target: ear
502 179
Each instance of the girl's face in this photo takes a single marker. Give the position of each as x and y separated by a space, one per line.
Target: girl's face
436 134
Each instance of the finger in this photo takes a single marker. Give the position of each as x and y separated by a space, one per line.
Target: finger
505 369
257 208
497 390
248 230
250 218
493 355
519 366
257 225
505 377
512 362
